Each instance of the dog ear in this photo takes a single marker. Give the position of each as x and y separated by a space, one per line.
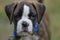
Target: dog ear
9 9
40 11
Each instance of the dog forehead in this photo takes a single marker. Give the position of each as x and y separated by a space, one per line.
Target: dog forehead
26 9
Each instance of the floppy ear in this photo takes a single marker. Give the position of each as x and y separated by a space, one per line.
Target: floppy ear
40 11
9 9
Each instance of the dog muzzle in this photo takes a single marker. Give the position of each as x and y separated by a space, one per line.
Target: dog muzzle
35 30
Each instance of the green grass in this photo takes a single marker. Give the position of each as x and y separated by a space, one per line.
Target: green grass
53 8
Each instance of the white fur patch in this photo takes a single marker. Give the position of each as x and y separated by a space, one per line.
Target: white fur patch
25 18
26 11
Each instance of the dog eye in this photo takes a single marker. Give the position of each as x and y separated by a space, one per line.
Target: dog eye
32 15
17 16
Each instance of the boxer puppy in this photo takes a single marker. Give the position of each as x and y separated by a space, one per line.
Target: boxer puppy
27 16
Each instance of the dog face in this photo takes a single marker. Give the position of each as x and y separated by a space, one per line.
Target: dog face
25 21
24 15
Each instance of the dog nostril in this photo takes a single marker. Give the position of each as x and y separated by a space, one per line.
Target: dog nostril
25 24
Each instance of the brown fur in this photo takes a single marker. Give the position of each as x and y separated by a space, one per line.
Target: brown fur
45 18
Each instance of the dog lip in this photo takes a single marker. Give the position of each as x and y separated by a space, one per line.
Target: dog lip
24 32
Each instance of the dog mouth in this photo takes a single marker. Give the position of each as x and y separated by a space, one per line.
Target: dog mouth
24 33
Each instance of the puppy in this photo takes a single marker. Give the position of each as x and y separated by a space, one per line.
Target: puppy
29 16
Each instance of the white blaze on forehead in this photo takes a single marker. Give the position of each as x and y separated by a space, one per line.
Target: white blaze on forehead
26 11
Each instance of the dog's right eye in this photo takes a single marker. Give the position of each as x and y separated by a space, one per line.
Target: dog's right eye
16 16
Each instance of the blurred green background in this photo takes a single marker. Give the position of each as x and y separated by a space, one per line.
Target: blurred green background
53 7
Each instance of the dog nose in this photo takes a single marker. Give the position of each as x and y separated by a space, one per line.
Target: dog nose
25 24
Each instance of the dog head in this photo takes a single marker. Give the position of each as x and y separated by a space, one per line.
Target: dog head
25 15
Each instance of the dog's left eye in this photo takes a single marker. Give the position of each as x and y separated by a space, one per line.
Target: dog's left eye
32 15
